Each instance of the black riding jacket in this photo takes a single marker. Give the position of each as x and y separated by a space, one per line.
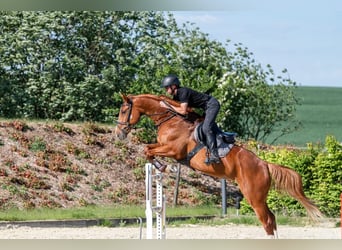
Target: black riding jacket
193 98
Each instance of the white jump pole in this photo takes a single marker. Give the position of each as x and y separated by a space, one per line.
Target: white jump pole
159 209
148 211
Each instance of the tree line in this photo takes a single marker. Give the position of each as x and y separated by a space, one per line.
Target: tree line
73 65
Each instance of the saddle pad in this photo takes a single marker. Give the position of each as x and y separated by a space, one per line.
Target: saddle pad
223 148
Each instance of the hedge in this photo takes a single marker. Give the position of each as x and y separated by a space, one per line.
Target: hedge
321 169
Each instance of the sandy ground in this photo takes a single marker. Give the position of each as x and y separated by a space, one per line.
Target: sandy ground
183 232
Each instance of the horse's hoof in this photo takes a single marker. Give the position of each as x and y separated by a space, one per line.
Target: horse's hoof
162 168
158 165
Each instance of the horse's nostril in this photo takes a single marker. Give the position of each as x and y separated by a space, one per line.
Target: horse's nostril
120 134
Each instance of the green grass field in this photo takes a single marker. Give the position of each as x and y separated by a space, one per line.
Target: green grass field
320 113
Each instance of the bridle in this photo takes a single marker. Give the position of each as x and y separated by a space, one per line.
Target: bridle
126 123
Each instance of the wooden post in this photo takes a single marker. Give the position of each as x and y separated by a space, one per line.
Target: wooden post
224 197
175 195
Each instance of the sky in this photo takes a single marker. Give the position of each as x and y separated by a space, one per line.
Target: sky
305 37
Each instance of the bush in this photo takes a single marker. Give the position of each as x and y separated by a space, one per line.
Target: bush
320 168
327 177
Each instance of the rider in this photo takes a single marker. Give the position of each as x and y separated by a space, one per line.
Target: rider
190 98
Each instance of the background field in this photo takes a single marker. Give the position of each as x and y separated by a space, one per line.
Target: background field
320 113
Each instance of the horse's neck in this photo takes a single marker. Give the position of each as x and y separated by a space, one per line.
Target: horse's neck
150 104
146 102
159 98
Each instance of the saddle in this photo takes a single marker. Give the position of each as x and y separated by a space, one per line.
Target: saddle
224 141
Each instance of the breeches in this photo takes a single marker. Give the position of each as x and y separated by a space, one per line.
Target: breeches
211 111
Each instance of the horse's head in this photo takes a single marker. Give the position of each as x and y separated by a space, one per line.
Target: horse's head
128 117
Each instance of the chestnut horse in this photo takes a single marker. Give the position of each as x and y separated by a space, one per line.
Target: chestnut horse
175 139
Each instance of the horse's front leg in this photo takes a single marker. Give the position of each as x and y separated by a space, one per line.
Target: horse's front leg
157 149
147 150
151 159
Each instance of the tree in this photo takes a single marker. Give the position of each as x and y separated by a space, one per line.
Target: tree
73 65
255 104
48 56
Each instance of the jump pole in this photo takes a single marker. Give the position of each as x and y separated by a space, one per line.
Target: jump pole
160 208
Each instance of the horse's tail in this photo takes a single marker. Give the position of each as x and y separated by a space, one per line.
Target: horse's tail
288 180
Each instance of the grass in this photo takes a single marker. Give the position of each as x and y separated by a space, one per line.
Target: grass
98 212
89 212
320 113
122 212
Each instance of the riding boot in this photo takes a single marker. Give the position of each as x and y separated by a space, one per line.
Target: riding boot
211 143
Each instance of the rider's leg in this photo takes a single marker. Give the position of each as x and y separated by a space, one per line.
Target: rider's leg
211 143
209 124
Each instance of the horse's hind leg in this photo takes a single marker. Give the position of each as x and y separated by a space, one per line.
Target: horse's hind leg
257 199
267 218
255 191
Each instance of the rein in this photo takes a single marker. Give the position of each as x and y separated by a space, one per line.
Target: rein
170 109
173 114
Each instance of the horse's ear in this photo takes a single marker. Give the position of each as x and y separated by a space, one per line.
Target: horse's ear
124 97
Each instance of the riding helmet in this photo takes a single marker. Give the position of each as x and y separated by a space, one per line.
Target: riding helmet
170 80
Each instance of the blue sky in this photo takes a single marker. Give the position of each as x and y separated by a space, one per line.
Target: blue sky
304 37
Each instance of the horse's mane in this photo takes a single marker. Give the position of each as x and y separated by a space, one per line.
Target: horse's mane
157 98
144 96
